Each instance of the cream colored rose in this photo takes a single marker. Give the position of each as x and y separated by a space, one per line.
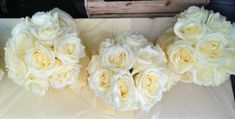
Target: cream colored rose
66 22
64 75
69 49
94 64
218 23
117 57
21 43
40 61
212 49
37 86
17 69
149 56
209 76
181 56
190 29
150 85
133 40
166 39
45 27
22 26
99 81
195 12
169 78
106 43
123 92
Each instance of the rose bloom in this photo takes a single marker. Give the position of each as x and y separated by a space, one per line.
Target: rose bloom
94 64
117 57
208 75
64 75
212 49
133 40
190 29
107 43
150 85
14 58
181 56
45 27
37 86
69 49
99 81
217 23
123 92
149 56
23 26
195 12
40 61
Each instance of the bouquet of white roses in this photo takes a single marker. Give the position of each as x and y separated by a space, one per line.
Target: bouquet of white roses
44 52
200 47
129 72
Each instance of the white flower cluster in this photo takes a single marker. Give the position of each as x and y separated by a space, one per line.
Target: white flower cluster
43 52
129 72
203 51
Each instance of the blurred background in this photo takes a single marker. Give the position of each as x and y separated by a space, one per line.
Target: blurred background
22 8
103 8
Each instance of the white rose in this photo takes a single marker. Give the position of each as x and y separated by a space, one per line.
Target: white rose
22 26
69 49
117 57
106 43
150 85
133 40
166 39
150 56
42 18
208 75
212 49
66 22
99 81
64 75
45 27
218 23
195 12
190 29
169 78
17 69
123 93
21 42
40 61
37 86
181 56
94 64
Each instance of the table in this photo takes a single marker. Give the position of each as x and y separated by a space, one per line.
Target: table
183 101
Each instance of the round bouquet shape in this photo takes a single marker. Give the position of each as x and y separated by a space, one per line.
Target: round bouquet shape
129 72
200 47
44 52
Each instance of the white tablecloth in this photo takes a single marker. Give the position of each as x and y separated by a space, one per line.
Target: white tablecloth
183 101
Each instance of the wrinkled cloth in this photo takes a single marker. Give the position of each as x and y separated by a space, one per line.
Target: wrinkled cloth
183 101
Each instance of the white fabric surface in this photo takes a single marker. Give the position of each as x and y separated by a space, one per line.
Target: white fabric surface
183 101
